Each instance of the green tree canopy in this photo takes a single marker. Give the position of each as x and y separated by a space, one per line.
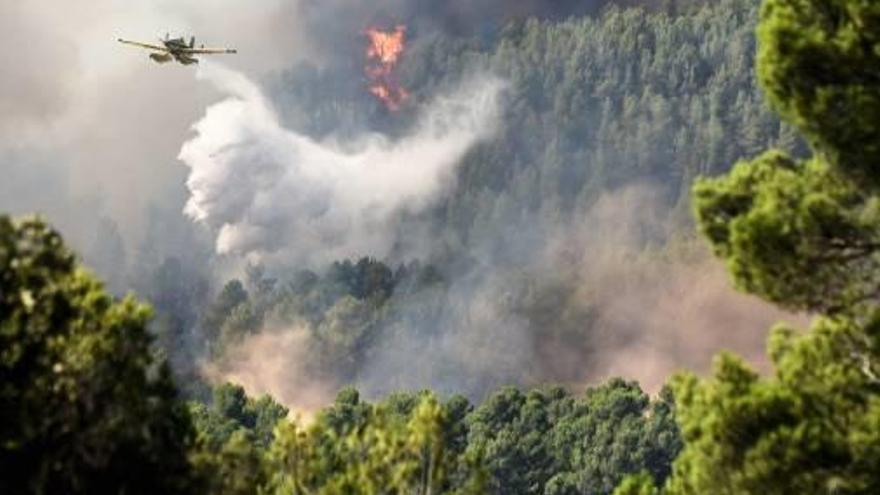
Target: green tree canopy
814 427
379 450
83 406
819 63
795 233
803 234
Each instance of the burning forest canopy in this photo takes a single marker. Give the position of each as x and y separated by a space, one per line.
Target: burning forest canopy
384 51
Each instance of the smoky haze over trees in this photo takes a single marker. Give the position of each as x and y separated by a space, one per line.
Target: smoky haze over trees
114 424
544 234
526 220
557 223
537 241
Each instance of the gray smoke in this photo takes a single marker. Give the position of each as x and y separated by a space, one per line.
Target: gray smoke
617 293
91 132
269 192
87 123
90 128
278 362
333 26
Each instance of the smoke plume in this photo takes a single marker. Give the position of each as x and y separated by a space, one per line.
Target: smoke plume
614 293
90 132
268 191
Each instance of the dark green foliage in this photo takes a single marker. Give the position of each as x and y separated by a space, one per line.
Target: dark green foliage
396 447
543 441
231 411
237 468
596 103
83 406
802 234
365 279
797 234
512 430
812 428
547 441
818 62
234 433
347 412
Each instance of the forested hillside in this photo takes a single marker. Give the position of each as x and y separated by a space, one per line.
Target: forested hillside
608 120
564 243
595 103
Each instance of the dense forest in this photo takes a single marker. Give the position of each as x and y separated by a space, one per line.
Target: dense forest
595 102
761 120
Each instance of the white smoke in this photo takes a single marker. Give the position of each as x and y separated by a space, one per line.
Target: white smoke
271 192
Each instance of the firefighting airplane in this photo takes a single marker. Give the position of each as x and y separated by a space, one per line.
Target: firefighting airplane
177 49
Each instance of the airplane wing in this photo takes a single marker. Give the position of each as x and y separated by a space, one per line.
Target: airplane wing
143 45
207 51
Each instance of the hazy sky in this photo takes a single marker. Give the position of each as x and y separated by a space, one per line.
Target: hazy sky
91 127
108 123
102 118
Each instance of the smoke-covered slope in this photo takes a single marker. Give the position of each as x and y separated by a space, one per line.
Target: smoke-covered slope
594 103
555 254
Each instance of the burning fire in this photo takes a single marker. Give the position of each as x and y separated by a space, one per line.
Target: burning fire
383 53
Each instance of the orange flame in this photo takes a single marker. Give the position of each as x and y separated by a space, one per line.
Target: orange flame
384 50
